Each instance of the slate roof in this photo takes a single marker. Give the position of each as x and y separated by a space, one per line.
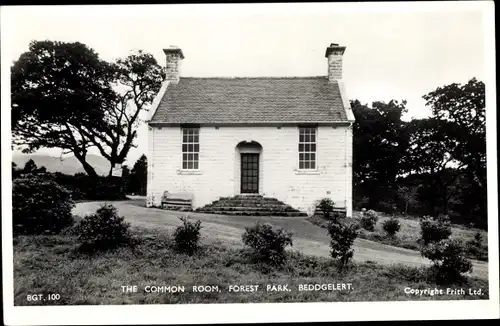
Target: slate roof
251 100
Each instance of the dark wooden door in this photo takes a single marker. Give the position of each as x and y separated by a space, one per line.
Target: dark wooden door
249 173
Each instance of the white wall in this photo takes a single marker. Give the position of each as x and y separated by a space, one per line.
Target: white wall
218 175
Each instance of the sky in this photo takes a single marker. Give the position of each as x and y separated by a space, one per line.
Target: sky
390 54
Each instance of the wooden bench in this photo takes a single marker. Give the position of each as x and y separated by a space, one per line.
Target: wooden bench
180 201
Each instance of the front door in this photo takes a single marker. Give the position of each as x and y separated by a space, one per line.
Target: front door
249 173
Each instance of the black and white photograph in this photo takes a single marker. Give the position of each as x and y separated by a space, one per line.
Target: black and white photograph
301 162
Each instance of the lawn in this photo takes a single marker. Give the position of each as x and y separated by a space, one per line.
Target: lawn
52 265
409 234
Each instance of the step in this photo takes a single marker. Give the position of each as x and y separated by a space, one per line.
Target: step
253 209
258 213
247 202
224 205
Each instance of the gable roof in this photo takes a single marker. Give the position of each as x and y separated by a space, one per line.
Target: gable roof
251 100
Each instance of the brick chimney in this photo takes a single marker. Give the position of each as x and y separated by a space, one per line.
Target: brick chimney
334 54
174 58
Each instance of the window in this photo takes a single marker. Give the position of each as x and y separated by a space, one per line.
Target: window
307 148
190 148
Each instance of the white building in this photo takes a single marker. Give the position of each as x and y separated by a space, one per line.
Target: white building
288 138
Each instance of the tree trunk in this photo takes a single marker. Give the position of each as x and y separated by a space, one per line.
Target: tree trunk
87 167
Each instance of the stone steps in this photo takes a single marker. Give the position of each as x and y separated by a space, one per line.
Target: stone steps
255 213
252 209
249 205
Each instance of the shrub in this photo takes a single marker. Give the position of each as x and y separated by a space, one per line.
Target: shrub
103 230
368 220
448 258
435 229
82 186
40 206
391 226
187 236
326 206
475 248
388 207
268 244
341 240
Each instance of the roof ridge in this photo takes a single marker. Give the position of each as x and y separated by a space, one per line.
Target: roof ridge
255 77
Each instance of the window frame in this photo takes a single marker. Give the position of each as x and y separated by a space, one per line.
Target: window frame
190 145
305 141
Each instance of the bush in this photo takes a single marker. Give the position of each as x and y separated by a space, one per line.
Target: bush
475 248
341 240
268 244
368 220
187 236
84 187
40 206
435 229
448 258
391 226
326 206
103 230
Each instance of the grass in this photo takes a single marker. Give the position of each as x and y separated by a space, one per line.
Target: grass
409 234
52 264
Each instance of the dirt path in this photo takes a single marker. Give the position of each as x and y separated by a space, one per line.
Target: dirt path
307 238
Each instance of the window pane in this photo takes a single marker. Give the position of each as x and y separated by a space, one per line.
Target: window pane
195 157
313 147
307 138
313 157
301 156
301 164
301 138
196 164
184 137
196 138
301 147
313 138
184 165
306 156
307 147
190 148
184 148
306 165
196 148
313 165
184 157
190 165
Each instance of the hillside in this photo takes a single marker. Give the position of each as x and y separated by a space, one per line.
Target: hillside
66 165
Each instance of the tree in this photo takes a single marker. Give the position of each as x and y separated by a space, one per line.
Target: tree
380 141
139 176
64 96
460 126
58 92
463 106
430 152
138 79
408 194
30 167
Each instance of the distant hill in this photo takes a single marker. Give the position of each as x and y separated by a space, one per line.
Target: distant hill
66 165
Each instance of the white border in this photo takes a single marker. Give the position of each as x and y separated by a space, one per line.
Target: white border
258 312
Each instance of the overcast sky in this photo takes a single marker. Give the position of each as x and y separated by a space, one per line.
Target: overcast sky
390 55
